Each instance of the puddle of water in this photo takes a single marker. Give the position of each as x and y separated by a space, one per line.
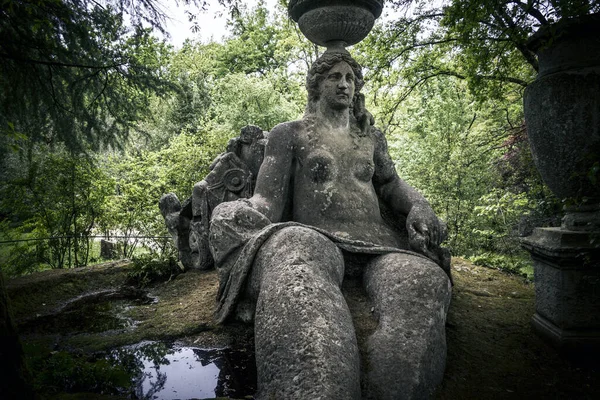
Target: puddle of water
93 313
170 372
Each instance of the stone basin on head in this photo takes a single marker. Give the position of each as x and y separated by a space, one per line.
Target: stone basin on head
334 21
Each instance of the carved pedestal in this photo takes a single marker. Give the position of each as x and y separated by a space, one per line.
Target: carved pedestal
567 287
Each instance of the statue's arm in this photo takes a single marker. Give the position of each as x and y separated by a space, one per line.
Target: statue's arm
423 226
398 195
273 180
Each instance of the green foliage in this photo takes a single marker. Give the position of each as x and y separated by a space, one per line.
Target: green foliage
188 107
513 264
251 78
495 230
54 194
254 47
142 177
18 258
445 85
151 268
480 41
439 148
241 100
484 185
82 76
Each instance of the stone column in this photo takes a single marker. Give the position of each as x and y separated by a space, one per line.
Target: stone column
562 113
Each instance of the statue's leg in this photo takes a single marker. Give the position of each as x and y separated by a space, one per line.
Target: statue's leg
305 341
407 352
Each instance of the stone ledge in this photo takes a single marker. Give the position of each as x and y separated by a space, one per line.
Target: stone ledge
563 247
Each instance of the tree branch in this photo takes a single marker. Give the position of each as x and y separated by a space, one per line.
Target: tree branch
509 25
422 44
534 12
59 64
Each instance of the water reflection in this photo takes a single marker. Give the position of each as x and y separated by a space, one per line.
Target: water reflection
164 371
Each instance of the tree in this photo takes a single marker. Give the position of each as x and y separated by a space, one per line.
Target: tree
71 73
481 41
440 147
142 176
82 76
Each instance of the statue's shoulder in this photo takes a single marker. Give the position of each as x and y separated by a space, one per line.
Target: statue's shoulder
287 131
289 127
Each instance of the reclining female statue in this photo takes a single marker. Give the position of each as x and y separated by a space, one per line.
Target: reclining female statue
316 216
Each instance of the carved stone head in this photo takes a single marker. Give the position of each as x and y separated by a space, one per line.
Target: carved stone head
318 72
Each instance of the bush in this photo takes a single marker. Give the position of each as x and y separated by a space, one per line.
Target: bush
516 264
150 268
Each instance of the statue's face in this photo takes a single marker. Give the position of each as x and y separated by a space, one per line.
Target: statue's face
337 89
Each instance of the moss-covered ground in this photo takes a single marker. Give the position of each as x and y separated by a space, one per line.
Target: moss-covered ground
492 351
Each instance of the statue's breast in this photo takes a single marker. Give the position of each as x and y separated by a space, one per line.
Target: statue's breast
320 166
364 170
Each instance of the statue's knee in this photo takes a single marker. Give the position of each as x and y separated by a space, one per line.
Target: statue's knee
298 248
392 271
298 241
431 272
415 265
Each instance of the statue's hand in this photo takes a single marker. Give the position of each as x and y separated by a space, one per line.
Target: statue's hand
425 230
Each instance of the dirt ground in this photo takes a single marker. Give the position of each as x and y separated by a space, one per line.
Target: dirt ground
492 350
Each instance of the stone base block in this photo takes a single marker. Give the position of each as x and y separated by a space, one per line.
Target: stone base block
569 341
567 287
109 250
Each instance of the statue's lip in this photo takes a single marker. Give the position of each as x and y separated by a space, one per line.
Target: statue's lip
298 7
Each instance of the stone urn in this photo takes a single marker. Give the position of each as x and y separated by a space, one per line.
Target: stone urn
335 23
562 113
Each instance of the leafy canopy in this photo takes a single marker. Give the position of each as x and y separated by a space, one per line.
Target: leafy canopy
78 72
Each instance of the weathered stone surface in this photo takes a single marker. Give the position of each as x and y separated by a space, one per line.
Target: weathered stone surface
326 196
177 218
304 334
334 21
232 176
562 108
108 250
562 111
567 283
407 352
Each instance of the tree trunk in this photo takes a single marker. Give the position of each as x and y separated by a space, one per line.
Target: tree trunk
15 382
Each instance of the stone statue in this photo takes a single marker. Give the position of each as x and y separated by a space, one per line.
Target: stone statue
324 196
232 175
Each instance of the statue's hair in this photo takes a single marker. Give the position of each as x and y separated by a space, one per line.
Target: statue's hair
318 73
